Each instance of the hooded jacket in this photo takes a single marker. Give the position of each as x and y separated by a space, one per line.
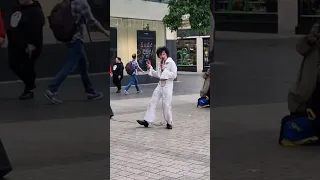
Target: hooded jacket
26 26
306 81
118 69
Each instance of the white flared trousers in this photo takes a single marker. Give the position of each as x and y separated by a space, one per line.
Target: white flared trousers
163 91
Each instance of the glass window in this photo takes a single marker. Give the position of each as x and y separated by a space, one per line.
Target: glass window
246 5
206 49
187 52
136 36
309 7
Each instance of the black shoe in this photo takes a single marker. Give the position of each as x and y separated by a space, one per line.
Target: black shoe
143 123
111 115
119 91
26 95
169 126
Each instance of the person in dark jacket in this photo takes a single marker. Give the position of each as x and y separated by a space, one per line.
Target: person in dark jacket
118 73
25 43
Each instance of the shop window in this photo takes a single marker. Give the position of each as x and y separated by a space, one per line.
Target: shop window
246 5
187 52
141 37
310 7
206 49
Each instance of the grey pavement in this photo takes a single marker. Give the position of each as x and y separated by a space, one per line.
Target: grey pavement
186 84
56 142
139 153
249 89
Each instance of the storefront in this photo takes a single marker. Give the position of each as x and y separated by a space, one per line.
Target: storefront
193 53
308 14
247 15
136 36
187 54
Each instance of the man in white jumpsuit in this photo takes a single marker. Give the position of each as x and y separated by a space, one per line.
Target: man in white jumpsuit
166 72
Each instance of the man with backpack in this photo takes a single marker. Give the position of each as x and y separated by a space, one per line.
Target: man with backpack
132 68
25 43
68 22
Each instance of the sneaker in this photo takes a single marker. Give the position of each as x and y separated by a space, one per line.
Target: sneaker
119 91
138 92
126 92
95 96
52 97
169 126
26 95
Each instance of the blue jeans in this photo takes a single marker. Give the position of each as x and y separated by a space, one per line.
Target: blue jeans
76 56
134 81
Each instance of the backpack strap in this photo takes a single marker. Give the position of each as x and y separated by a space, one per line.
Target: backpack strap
88 31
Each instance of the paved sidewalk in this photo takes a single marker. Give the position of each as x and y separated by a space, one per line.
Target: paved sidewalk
245 141
139 153
249 99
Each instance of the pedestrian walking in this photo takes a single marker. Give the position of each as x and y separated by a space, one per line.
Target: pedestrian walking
166 73
2 30
75 23
134 68
25 43
118 73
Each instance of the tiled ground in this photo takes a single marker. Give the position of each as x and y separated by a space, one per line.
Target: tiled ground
139 153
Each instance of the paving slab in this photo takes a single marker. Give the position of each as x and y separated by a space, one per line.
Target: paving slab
245 142
156 152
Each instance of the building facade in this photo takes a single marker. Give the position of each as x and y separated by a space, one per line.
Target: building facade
136 27
266 16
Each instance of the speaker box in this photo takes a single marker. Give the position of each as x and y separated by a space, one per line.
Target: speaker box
5 165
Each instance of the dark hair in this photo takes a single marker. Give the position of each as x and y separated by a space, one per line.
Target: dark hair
118 58
134 56
161 49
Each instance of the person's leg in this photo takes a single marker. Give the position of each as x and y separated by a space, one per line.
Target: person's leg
73 58
29 74
166 104
15 58
130 84
84 66
151 110
117 83
136 83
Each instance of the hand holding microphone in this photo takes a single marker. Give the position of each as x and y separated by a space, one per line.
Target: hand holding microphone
163 67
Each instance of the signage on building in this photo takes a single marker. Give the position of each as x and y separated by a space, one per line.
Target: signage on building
146 47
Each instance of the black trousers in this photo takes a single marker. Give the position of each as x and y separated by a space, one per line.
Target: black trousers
117 81
23 66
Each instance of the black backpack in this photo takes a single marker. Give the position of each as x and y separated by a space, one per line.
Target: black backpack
129 68
62 22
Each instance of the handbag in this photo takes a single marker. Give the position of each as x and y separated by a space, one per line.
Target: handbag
303 46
